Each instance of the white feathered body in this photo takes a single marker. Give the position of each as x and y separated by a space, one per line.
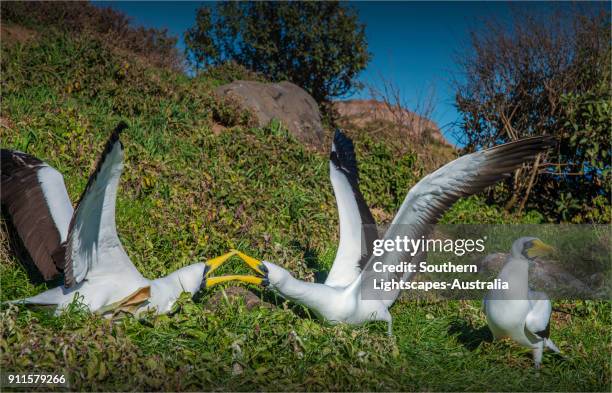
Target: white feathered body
102 288
517 312
333 304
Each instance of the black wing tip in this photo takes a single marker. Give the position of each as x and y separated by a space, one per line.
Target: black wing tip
16 158
343 154
341 139
535 144
549 141
7 155
544 141
114 137
120 127
339 135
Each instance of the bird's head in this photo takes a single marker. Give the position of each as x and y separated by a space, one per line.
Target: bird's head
276 275
531 248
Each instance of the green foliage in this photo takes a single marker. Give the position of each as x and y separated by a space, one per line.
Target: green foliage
202 49
550 76
228 72
188 194
385 175
474 210
586 118
319 46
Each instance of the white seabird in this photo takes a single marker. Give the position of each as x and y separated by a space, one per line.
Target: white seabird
339 298
83 244
519 313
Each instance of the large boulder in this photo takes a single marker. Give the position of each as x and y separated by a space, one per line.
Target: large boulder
362 113
284 101
547 276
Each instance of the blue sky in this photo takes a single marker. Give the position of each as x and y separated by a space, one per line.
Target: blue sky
414 44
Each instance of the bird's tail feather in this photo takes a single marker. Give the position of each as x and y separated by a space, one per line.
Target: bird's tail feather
550 345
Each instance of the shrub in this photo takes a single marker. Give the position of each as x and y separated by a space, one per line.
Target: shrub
319 46
545 75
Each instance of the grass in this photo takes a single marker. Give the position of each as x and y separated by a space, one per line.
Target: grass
189 193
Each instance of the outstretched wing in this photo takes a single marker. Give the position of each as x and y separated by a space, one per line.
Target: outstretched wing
467 175
35 200
92 242
357 226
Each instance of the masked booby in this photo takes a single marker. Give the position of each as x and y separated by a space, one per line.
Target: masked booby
339 298
83 243
518 312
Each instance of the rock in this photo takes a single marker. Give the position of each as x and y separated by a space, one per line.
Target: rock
234 293
492 263
361 113
237 369
285 101
549 276
544 275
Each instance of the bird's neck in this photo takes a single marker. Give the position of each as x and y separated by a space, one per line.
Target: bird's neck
187 279
289 286
516 273
315 296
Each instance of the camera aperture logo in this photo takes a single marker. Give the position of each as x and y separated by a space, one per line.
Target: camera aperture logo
399 273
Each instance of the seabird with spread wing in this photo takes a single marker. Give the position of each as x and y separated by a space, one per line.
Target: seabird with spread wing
518 312
339 298
83 245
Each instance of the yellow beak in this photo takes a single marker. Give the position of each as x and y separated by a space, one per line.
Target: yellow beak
214 263
540 249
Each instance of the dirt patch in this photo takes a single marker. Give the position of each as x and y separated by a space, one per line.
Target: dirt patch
218 129
12 34
5 123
